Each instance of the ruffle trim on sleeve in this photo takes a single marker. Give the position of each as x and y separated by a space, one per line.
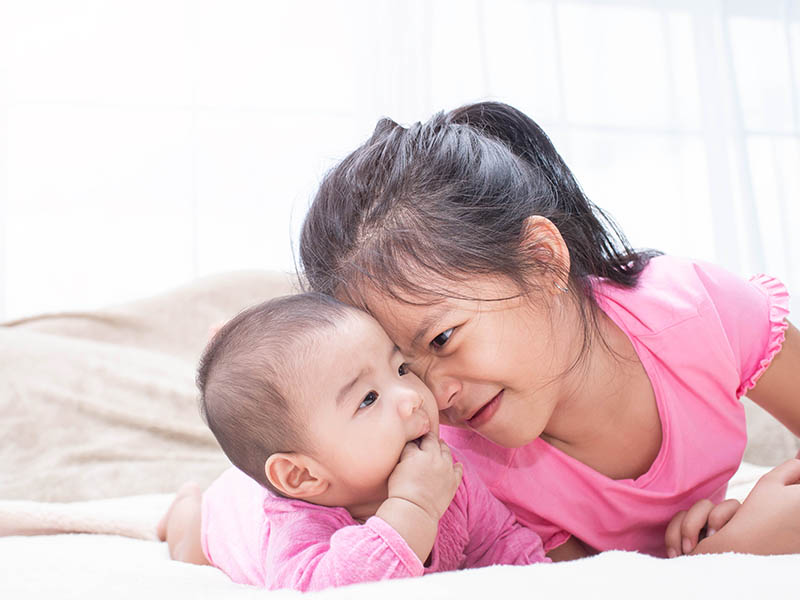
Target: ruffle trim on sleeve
778 298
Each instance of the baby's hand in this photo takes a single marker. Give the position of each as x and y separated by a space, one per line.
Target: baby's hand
426 476
702 520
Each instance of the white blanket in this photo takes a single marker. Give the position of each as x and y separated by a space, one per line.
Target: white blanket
111 566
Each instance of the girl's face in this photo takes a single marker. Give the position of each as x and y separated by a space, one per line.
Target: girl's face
498 367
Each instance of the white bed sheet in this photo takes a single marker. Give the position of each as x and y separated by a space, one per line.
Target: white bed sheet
113 566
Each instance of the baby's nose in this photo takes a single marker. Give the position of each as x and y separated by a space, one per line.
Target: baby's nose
408 404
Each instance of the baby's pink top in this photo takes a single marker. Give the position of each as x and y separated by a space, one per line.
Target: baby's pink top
704 337
261 539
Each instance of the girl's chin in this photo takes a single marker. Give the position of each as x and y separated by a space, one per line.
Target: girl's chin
508 435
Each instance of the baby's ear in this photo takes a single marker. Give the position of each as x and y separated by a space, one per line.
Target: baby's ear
296 475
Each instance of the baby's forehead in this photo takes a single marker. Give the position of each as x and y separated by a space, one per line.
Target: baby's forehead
331 358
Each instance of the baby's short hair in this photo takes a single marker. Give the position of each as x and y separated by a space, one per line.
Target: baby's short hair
248 376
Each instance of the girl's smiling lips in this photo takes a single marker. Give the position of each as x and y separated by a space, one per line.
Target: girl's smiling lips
486 412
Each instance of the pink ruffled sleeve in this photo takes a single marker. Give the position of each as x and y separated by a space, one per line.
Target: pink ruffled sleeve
753 318
777 309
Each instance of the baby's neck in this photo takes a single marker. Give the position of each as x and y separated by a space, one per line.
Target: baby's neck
362 512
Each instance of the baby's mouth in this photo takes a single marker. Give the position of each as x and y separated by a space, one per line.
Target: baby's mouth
425 430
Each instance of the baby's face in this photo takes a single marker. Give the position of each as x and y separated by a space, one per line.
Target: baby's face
363 406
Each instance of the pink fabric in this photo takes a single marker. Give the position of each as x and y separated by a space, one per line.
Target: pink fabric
704 337
260 539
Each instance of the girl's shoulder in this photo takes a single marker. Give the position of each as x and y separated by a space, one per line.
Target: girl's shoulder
673 290
685 310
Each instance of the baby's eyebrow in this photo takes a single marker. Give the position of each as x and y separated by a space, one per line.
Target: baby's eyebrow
346 388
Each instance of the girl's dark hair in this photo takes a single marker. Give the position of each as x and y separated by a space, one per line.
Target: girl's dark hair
450 197
249 375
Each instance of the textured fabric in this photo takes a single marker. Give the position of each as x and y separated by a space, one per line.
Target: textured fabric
103 403
260 539
704 336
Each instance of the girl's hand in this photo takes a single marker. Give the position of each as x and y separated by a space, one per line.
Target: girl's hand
701 521
426 476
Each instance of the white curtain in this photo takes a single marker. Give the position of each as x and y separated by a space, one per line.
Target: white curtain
149 142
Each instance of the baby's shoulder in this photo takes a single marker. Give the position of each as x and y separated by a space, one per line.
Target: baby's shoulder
279 510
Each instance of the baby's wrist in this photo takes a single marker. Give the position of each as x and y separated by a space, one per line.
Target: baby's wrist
413 523
411 509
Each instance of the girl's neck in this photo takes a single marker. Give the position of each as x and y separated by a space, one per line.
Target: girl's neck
598 390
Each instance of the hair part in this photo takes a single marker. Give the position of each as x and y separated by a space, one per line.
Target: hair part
249 375
450 198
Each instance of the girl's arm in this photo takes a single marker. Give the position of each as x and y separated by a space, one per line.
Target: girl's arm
768 521
778 389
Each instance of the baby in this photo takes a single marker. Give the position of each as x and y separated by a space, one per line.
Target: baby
349 481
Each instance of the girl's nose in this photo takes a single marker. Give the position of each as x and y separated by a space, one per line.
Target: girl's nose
445 390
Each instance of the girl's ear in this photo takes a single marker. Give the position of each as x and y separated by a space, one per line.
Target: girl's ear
542 239
296 475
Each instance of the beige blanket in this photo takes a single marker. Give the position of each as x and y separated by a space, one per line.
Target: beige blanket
103 403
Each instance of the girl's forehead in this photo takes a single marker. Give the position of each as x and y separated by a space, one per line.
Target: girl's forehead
408 324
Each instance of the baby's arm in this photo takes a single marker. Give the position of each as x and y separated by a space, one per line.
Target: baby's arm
421 488
313 551
180 526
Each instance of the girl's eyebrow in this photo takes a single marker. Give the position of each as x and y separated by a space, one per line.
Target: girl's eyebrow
430 319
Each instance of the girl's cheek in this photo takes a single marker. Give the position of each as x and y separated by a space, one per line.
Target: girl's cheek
444 420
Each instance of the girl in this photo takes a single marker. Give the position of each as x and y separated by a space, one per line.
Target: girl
594 387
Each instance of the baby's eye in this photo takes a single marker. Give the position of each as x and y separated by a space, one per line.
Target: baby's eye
368 399
403 369
440 340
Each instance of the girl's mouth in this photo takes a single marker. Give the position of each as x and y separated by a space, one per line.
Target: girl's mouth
486 412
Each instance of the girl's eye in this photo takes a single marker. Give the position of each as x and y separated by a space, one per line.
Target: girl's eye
440 340
403 369
368 399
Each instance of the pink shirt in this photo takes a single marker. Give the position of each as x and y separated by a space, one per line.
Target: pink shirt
261 539
704 336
